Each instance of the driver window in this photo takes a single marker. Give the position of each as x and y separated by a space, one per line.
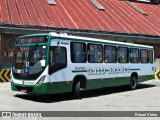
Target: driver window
58 58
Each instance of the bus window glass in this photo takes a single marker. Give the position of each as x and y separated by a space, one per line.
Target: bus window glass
122 54
134 55
144 56
57 55
150 56
78 52
33 57
58 59
110 54
95 53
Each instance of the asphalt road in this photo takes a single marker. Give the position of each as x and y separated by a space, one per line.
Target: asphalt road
145 98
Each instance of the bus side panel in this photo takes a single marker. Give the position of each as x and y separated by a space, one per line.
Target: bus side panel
145 78
107 75
117 74
94 83
111 82
60 81
147 72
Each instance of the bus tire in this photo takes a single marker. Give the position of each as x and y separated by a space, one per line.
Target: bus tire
133 83
76 90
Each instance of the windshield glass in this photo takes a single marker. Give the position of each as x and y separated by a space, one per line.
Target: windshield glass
29 59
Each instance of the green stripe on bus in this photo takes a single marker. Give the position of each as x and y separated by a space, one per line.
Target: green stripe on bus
75 71
135 69
64 86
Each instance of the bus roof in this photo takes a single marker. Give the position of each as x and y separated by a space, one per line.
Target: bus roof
86 39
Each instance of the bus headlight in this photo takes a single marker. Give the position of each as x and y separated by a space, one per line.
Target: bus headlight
41 80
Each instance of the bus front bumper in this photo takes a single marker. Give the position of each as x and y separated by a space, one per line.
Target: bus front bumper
45 88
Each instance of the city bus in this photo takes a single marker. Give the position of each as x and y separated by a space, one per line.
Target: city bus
57 63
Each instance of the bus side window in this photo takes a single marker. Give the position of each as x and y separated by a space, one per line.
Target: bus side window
58 59
110 54
150 56
123 56
144 55
95 53
78 52
134 55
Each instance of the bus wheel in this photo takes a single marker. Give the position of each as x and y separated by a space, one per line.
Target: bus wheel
133 83
76 90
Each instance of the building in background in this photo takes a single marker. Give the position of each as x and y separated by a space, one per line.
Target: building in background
135 21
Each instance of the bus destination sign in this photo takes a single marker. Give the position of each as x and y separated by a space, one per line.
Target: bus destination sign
33 39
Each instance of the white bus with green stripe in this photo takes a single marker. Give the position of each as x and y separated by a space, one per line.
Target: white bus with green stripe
56 63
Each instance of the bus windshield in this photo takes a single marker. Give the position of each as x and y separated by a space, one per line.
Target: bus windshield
29 59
